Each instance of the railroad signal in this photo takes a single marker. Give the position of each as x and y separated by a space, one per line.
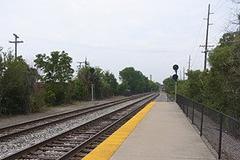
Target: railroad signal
175 77
175 67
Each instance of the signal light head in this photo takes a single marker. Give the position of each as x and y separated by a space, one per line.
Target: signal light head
175 67
175 77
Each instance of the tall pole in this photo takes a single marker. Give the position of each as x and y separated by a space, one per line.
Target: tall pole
206 42
183 73
176 85
15 43
92 89
239 23
175 78
15 46
180 74
85 62
189 63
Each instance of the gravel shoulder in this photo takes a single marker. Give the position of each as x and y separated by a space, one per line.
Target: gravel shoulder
15 119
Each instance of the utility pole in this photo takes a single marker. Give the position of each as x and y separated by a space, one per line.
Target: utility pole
85 62
180 75
189 63
92 91
206 41
237 23
15 42
150 77
238 30
183 73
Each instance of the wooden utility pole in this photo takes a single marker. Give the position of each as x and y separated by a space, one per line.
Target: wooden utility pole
92 91
180 74
85 62
184 73
238 23
206 40
189 63
16 43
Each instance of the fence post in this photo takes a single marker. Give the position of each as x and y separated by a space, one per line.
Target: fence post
201 127
193 112
220 137
187 108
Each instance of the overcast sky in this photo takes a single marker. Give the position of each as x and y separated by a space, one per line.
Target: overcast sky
150 35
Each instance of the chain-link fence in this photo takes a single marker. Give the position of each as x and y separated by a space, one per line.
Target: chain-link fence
221 131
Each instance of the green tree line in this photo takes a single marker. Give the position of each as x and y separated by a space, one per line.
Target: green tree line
219 86
51 82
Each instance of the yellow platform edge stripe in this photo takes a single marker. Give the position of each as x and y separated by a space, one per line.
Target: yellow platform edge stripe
108 147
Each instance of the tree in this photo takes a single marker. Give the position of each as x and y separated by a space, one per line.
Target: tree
17 85
219 87
105 84
153 86
134 81
83 82
131 79
110 79
80 90
56 67
225 64
169 84
195 85
57 72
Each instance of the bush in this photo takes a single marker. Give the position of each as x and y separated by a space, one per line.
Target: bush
37 101
50 97
81 91
17 86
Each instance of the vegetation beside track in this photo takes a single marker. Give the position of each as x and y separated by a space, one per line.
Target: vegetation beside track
219 86
51 82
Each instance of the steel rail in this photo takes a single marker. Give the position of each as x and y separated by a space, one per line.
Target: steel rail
12 131
33 148
123 119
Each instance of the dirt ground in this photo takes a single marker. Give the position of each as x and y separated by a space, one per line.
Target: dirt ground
11 120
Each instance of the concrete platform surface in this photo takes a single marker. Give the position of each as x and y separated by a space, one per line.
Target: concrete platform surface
164 134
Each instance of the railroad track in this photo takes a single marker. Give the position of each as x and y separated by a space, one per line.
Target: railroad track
19 129
77 142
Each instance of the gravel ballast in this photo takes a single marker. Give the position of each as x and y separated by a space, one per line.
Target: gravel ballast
15 119
13 145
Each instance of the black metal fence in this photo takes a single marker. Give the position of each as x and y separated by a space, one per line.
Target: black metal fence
221 131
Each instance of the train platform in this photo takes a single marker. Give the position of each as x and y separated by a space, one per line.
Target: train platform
159 131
